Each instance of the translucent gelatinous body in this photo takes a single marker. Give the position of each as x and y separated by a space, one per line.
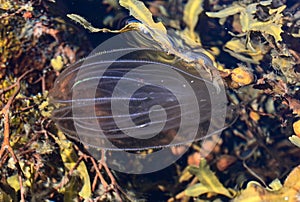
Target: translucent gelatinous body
143 99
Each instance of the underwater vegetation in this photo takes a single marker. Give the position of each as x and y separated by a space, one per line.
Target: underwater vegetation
251 47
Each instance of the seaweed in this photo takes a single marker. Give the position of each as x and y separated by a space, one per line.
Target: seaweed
254 46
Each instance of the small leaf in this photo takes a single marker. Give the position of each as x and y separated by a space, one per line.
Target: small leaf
157 31
191 13
237 48
197 190
83 22
91 28
140 11
231 10
295 140
208 179
293 179
85 191
185 176
57 63
250 23
13 181
70 158
296 127
275 185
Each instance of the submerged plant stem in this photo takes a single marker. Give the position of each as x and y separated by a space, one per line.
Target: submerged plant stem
5 147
